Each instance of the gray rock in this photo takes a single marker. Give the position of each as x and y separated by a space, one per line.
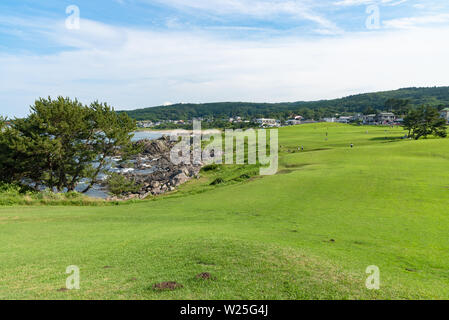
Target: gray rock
167 176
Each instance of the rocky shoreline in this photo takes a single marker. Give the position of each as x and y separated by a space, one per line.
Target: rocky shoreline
161 175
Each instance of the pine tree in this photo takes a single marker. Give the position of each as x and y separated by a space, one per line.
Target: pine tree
425 121
58 144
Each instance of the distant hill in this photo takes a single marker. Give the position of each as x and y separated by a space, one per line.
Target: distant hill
397 101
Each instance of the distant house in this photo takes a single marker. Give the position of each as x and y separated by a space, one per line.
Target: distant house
268 122
385 118
293 122
329 119
236 119
344 119
445 114
369 119
144 124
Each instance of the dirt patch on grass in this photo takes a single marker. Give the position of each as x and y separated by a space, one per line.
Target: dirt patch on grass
297 165
255 178
62 290
285 171
169 285
205 276
289 168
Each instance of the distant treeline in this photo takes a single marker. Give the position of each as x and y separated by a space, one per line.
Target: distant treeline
222 124
398 101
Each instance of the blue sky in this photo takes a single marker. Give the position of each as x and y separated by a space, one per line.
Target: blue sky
140 53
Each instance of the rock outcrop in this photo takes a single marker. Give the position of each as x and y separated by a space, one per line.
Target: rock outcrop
160 174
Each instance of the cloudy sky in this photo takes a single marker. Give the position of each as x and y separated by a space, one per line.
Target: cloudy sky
142 53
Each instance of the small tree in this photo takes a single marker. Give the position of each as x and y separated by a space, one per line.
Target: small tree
425 121
412 120
63 142
431 124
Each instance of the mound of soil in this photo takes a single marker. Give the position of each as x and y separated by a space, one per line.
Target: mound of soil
170 285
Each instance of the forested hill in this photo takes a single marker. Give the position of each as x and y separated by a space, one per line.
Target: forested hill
397 101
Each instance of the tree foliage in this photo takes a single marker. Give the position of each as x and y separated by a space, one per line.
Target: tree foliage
397 101
119 184
425 121
63 142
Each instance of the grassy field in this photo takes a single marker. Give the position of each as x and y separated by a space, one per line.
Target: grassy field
308 232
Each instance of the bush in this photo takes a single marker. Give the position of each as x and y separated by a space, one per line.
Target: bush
217 181
11 189
15 194
245 176
119 184
210 167
73 195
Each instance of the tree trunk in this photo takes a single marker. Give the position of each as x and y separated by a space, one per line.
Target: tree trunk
94 178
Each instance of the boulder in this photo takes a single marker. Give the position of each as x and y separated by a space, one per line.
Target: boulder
179 179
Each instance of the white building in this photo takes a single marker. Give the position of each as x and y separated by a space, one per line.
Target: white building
385 117
445 114
369 119
344 119
268 122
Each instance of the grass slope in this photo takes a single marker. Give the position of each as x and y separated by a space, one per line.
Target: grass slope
383 203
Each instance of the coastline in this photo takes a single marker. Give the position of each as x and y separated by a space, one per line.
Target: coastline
170 131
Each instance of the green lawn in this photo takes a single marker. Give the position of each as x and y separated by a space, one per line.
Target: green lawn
308 232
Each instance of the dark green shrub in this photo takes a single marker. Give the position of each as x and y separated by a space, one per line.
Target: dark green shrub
119 184
210 167
217 181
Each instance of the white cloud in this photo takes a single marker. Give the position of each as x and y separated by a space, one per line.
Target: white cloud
132 68
353 2
366 2
415 22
